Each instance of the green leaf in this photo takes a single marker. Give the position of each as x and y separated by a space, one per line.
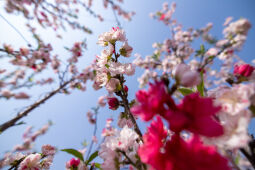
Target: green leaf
98 165
109 76
185 91
131 104
118 87
159 14
237 159
200 87
106 65
94 72
78 86
202 48
123 52
92 156
210 58
75 153
201 51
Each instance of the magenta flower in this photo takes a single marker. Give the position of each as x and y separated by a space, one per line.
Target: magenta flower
192 154
154 101
150 151
73 163
244 70
174 153
196 115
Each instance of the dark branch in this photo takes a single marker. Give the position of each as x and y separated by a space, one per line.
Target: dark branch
24 113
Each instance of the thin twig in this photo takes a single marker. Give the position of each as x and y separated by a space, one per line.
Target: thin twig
15 29
116 17
248 156
94 133
125 155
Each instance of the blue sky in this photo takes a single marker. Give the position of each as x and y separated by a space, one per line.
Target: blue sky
68 113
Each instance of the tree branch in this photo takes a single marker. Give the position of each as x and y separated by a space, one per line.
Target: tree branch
123 96
24 113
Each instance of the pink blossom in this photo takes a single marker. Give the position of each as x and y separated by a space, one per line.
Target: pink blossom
112 85
124 120
196 115
90 117
21 95
185 76
126 50
101 101
129 69
47 162
240 26
212 52
31 162
244 70
48 150
8 48
118 34
227 21
9 158
24 51
6 93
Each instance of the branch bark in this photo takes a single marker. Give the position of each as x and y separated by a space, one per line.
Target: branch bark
24 113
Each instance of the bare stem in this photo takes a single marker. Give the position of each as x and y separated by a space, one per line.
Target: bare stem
123 96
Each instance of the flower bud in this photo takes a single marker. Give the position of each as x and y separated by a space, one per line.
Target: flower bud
113 103
74 162
185 76
243 70
126 88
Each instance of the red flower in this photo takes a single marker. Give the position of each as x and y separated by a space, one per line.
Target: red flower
74 162
154 101
192 154
150 151
162 17
126 88
113 103
196 115
162 153
244 70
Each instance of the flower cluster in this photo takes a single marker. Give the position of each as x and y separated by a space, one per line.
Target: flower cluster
29 161
194 115
198 116
56 14
177 154
107 68
117 147
29 137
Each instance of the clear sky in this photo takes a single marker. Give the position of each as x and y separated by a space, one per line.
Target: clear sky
68 113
